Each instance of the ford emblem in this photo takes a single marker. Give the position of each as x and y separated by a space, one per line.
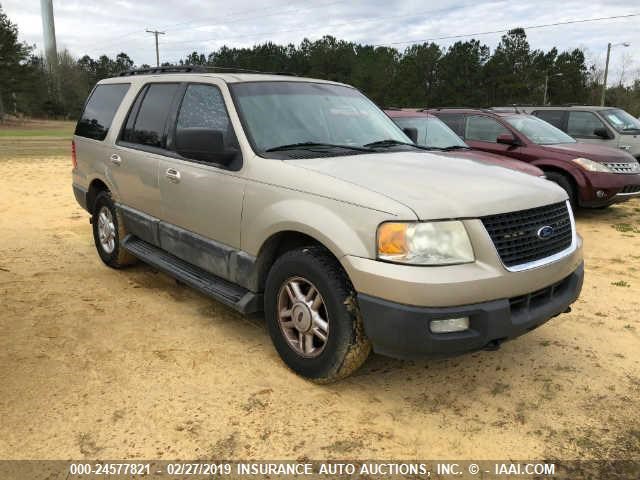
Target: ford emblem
545 232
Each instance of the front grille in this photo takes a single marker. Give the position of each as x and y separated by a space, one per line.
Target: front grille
516 234
630 189
627 167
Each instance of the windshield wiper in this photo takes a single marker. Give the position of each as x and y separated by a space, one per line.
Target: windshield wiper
311 145
630 129
393 143
455 147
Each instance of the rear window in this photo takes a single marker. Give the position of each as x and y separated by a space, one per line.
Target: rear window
147 126
554 117
100 109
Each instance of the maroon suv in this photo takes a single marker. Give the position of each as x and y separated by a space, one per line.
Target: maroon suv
428 131
592 175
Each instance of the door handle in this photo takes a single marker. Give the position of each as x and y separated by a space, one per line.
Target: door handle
173 175
115 159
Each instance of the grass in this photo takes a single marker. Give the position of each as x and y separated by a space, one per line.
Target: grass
626 227
19 133
35 138
621 283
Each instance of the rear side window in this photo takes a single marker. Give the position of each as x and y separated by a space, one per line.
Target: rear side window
100 109
147 125
483 129
554 117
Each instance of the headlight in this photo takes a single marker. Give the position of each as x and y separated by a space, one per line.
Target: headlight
591 166
424 243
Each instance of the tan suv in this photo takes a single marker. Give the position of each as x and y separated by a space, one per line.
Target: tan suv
300 198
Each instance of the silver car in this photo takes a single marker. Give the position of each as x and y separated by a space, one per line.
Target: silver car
301 199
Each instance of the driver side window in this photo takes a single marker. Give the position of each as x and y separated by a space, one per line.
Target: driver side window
583 124
483 129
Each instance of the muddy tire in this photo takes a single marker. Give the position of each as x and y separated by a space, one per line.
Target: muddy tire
313 316
108 231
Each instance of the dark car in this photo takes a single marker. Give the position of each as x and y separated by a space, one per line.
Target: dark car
428 131
592 175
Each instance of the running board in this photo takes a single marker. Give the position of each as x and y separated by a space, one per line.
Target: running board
232 295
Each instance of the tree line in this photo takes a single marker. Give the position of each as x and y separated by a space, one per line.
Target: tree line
466 73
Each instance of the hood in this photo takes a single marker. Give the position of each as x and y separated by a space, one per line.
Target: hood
437 186
597 153
492 159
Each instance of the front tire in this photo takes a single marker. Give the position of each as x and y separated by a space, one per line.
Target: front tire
108 231
313 317
566 184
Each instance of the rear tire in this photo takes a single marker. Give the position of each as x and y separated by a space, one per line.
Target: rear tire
320 336
108 231
566 184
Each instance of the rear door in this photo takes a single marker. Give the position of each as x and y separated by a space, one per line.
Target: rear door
557 118
141 145
202 198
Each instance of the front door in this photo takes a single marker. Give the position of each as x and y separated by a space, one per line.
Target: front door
482 132
202 199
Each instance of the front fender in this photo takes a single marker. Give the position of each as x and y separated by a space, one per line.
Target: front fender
342 228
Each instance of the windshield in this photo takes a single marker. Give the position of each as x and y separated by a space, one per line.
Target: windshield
285 113
432 132
538 131
621 120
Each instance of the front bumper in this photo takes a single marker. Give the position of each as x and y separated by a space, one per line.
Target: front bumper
608 188
402 331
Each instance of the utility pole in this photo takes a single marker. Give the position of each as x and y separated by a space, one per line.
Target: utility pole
546 85
156 33
606 73
606 69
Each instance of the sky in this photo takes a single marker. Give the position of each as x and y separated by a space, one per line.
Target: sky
111 26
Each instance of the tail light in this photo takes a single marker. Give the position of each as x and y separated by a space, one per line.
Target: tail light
74 160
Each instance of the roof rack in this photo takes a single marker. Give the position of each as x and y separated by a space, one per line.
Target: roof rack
171 69
482 109
195 69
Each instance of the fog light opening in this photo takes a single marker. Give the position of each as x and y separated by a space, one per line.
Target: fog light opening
449 325
601 194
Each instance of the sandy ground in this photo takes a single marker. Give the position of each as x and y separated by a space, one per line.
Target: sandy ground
98 363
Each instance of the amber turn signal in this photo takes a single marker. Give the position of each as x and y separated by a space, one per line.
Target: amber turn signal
392 239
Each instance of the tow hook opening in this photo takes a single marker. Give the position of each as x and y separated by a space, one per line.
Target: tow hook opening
494 345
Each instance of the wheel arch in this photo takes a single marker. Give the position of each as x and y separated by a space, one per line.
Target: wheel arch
96 186
279 243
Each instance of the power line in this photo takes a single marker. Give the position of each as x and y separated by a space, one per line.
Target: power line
231 16
530 27
387 17
306 27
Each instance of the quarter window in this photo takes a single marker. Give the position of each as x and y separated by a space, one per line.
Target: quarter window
483 129
100 109
149 125
583 124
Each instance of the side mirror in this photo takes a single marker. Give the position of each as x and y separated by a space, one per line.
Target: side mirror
507 139
412 133
602 133
203 144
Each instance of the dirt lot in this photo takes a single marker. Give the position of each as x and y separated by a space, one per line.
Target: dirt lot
99 363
